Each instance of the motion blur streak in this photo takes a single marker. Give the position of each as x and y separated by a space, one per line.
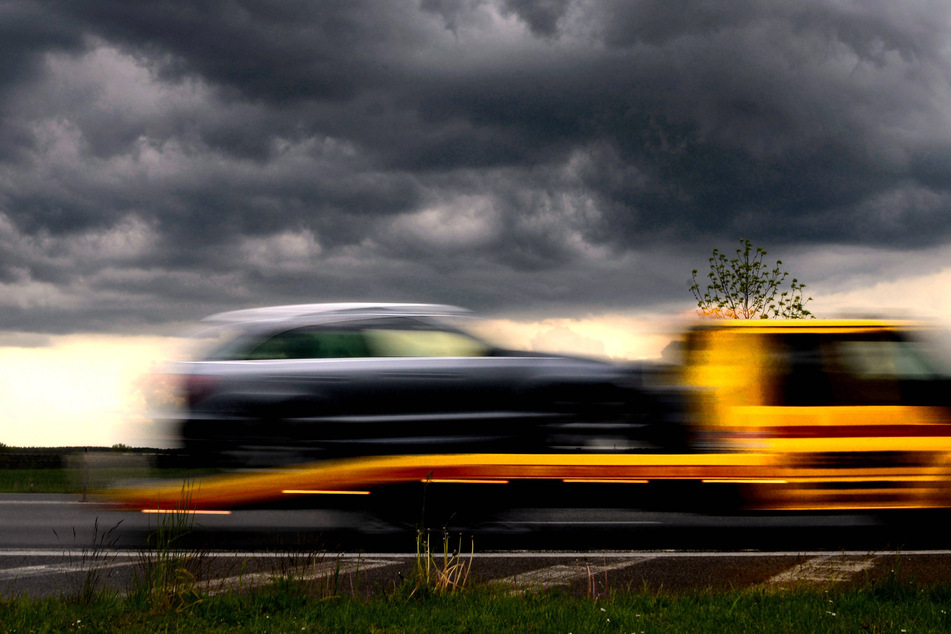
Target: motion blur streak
254 487
322 492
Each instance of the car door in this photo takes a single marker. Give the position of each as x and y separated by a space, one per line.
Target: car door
288 387
434 388
444 388
383 385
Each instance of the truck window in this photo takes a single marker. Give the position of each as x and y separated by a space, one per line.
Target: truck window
800 371
846 369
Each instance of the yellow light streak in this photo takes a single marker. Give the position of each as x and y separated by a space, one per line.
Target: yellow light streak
854 507
881 478
322 492
463 481
186 511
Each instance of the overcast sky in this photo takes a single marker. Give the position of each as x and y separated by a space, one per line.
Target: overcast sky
160 161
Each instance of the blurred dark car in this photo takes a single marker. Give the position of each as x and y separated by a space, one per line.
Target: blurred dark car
292 384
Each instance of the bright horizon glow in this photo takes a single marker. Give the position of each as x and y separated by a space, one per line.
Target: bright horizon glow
80 390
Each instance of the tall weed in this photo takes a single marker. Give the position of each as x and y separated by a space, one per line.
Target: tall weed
169 572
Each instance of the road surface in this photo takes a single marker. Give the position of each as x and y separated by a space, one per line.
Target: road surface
54 544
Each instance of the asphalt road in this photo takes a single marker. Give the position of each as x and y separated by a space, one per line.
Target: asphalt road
54 544
65 521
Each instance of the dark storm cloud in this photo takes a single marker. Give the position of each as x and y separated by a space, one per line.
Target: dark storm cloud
541 16
26 34
161 160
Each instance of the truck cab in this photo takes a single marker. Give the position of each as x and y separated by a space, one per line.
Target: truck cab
853 413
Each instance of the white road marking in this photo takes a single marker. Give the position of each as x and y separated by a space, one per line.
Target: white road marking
563 575
324 569
52 569
822 570
40 502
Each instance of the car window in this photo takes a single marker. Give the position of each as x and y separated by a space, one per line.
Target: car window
311 343
385 337
423 343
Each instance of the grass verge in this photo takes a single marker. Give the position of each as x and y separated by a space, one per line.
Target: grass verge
37 481
67 481
880 607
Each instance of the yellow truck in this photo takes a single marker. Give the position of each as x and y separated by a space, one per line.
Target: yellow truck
853 413
756 415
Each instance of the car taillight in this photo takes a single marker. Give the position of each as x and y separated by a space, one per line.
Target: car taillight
199 386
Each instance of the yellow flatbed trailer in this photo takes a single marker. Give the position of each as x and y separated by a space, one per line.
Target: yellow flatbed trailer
764 481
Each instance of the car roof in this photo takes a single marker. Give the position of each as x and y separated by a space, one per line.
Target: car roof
297 312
